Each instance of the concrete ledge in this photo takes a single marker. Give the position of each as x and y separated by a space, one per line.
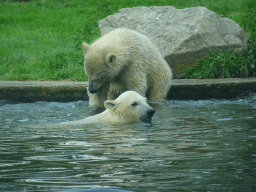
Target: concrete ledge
211 88
30 91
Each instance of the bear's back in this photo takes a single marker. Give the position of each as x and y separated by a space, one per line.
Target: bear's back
126 39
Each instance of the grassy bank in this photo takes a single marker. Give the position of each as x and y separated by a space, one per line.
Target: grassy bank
226 65
41 39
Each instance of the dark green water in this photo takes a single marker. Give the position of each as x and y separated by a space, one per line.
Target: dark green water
190 146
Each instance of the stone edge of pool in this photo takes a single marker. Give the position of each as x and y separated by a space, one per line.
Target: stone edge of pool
63 91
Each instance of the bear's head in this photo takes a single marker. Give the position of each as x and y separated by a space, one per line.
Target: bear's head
101 65
131 107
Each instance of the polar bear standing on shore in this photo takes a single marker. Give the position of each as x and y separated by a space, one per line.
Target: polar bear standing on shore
129 107
125 60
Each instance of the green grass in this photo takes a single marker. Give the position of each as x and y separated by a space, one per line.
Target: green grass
226 65
42 39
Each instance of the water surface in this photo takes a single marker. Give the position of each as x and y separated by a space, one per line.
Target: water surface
207 145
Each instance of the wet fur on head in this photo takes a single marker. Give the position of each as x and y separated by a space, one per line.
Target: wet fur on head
129 107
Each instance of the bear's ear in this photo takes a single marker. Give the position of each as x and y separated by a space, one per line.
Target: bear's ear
85 47
109 104
110 58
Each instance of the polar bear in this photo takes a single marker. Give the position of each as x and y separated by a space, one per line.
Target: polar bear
125 60
129 107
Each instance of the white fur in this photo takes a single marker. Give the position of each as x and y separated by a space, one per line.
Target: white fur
125 60
129 107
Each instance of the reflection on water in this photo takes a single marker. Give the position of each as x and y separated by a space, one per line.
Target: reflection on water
190 146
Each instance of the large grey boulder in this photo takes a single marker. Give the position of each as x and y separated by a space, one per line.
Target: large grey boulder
182 35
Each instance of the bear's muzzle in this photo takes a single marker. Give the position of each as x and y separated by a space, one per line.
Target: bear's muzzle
92 90
147 118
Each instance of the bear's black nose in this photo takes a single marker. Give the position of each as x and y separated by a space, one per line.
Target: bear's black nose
151 112
93 90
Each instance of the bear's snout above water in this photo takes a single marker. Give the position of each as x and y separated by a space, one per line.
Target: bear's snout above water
148 117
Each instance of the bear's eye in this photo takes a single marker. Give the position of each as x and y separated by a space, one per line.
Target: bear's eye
134 104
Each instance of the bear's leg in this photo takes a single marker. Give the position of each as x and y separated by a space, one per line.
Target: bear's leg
115 89
140 86
155 94
96 100
158 92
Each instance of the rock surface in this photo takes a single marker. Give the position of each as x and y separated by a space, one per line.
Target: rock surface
183 36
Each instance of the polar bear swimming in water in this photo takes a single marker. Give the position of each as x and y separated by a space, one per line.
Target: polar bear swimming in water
129 107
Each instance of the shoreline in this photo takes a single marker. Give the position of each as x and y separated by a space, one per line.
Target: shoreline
181 89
